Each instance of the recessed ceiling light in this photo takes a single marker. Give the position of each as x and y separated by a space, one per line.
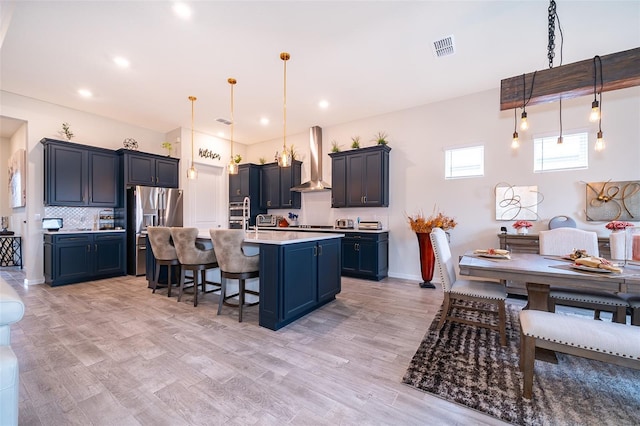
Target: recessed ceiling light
182 10
264 121
85 93
121 62
324 104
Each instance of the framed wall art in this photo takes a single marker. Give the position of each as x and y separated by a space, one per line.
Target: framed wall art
17 179
517 202
606 201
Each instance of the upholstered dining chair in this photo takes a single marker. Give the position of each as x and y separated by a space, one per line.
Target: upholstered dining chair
165 253
193 256
234 264
563 241
486 292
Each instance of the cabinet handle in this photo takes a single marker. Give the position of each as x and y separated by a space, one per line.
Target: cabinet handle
237 192
315 250
319 250
96 247
269 203
357 246
88 248
365 199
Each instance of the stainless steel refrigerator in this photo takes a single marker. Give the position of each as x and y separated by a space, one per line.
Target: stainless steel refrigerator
148 206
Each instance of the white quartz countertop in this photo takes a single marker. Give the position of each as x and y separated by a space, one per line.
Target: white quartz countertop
278 237
82 231
327 230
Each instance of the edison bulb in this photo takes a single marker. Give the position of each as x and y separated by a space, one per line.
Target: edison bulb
524 125
599 142
515 143
595 112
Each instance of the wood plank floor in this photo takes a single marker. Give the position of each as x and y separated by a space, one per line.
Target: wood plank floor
110 352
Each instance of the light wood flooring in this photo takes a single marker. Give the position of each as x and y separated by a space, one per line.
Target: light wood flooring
110 352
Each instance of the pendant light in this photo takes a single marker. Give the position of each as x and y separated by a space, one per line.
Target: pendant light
192 173
284 159
524 125
233 166
595 105
515 143
599 139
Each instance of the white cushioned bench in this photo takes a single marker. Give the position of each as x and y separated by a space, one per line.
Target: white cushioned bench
599 340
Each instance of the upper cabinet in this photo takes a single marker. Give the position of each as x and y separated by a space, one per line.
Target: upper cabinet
149 169
245 184
79 175
360 177
276 184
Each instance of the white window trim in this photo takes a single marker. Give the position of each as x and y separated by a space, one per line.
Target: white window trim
555 136
463 147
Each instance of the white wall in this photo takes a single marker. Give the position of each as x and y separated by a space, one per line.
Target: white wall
418 138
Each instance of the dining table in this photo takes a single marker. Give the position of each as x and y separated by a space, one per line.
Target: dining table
540 273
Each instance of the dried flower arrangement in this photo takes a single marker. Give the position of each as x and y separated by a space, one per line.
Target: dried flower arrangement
420 224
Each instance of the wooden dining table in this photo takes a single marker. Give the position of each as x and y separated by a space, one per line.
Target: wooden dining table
541 273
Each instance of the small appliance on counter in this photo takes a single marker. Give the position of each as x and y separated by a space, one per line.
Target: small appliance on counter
267 220
52 223
344 224
370 224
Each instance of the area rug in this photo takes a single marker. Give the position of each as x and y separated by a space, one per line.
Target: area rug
466 364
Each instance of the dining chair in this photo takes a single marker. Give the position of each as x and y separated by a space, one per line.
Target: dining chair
235 265
486 292
165 254
193 256
563 241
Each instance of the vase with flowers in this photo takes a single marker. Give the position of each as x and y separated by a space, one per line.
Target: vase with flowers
522 226
423 226
621 248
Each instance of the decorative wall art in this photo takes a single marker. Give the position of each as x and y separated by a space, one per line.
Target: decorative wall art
608 200
517 202
17 179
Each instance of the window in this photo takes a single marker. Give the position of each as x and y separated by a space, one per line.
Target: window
571 154
464 162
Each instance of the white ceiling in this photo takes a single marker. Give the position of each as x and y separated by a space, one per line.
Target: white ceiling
365 57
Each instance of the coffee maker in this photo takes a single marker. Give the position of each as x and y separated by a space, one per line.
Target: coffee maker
4 224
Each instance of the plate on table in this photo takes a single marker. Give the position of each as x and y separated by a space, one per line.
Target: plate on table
494 255
590 269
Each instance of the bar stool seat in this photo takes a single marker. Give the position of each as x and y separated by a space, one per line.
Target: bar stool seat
193 257
235 265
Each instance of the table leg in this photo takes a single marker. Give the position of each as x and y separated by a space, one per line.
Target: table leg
537 297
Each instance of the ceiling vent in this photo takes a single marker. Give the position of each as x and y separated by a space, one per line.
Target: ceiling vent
444 47
223 121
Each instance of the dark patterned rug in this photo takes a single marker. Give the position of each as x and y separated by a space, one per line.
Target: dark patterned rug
467 365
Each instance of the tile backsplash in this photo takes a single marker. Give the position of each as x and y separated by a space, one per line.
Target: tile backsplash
76 217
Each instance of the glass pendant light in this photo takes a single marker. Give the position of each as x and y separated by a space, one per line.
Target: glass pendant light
233 166
192 173
284 159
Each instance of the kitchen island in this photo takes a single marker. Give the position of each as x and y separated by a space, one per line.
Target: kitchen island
299 272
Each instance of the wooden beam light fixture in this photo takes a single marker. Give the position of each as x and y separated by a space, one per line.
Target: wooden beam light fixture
572 80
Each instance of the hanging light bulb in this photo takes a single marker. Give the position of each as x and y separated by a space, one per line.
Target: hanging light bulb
595 111
599 142
515 143
284 159
233 166
192 173
524 125
560 137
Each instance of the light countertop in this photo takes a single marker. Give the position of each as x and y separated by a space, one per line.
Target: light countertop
82 231
279 237
326 230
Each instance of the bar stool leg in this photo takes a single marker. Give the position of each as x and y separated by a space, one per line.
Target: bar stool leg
240 298
154 284
223 293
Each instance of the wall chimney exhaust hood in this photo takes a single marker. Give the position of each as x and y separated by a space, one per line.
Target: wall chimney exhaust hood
315 183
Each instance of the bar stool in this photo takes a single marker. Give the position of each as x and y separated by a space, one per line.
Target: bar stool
165 254
193 257
234 264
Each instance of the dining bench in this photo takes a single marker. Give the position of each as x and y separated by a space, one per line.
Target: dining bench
609 342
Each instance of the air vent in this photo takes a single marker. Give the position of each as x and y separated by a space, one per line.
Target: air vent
444 47
223 121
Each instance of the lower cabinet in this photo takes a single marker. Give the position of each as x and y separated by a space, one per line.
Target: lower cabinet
74 258
365 255
297 278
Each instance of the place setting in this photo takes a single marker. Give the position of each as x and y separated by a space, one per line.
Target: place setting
493 253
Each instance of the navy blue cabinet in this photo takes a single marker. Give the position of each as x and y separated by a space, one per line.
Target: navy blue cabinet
365 255
360 177
297 278
276 184
72 258
245 184
140 168
79 175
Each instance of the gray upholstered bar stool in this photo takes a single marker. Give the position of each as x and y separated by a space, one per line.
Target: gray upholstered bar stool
193 257
234 264
164 252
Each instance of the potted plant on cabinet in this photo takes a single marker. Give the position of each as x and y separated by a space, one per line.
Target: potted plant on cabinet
381 138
